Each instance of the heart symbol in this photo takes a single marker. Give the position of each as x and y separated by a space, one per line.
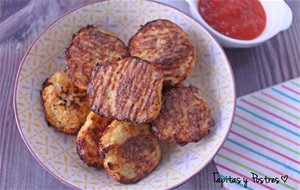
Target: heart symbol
284 178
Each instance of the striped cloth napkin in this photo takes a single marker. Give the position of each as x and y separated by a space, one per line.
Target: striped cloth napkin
262 150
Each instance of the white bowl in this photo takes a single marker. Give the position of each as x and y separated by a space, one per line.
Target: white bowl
278 14
56 152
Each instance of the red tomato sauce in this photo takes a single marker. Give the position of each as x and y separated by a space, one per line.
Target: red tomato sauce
240 19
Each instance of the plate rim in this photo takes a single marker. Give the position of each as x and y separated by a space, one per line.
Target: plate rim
99 1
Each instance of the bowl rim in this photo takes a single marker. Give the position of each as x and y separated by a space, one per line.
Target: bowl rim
193 9
99 1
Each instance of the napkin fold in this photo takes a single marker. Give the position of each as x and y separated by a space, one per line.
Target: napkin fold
262 150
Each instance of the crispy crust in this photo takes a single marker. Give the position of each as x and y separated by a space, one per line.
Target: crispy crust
129 90
88 139
165 44
66 106
184 117
88 47
130 151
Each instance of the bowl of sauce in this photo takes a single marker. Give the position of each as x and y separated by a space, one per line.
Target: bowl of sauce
242 23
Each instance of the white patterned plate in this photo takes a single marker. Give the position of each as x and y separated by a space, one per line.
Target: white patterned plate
56 152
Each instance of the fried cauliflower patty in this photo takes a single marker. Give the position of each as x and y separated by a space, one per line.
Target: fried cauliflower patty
88 139
184 117
130 151
88 47
66 106
129 90
165 44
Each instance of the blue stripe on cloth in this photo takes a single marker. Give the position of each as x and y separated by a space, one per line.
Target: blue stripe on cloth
262 155
271 122
284 94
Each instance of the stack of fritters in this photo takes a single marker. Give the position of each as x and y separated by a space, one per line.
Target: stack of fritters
117 101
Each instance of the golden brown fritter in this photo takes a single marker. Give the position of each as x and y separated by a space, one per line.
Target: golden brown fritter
129 90
130 152
88 47
184 117
88 139
66 106
165 44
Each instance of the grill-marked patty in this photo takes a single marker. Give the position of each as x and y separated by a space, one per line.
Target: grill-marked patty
66 106
165 44
130 151
184 117
88 139
88 47
129 90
